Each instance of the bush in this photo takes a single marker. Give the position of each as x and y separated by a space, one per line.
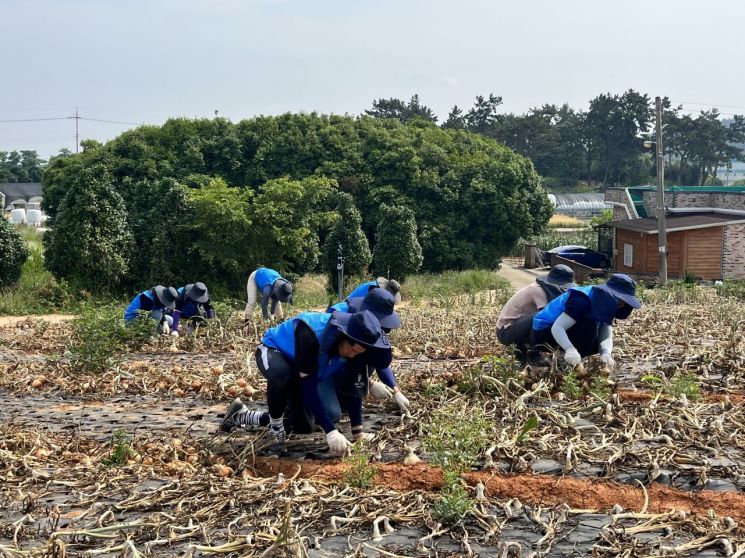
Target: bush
397 251
90 243
454 283
13 253
347 233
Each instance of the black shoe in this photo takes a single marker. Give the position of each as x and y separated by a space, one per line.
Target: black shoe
229 420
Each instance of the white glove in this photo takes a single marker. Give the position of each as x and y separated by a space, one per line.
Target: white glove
165 329
607 359
572 357
401 400
380 391
174 334
338 443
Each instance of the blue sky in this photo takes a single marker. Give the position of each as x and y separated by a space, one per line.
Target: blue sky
145 61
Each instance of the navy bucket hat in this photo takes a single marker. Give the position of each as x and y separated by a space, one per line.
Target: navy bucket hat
380 302
361 327
621 287
166 296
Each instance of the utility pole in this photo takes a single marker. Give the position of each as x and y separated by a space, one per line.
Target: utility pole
77 134
661 224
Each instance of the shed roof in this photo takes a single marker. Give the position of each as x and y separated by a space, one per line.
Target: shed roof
679 222
20 190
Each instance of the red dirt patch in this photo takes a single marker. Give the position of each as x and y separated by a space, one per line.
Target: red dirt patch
529 488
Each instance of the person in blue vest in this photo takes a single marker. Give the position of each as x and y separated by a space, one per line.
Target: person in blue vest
390 285
580 321
381 303
272 286
310 362
193 301
157 302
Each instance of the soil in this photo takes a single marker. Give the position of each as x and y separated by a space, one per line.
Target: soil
7 321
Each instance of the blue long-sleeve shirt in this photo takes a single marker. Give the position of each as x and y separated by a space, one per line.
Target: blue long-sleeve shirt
144 301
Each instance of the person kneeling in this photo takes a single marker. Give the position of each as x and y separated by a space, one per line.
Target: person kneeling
581 321
305 360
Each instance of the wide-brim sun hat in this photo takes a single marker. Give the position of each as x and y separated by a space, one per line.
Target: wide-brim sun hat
283 290
380 302
622 287
561 276
197 292
167 296
390 285
361 327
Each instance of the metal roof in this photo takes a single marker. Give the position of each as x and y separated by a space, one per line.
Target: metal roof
682 222
20 191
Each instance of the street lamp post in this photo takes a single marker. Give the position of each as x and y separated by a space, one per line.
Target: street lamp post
661 223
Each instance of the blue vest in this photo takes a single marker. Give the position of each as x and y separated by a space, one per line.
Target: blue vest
189 308
265 276
546 317
282 338
362 289
138 303
342 306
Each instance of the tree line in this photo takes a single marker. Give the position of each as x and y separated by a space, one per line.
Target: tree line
210 200
602 145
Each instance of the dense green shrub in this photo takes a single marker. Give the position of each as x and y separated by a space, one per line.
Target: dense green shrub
90 244
347 233
397 251
13 254
472 198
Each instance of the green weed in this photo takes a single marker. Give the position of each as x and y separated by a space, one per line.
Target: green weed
454 502
570 386
360 471
456 437
100 335
489 376
121 451
684 383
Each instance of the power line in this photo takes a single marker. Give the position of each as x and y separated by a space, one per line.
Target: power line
37 119
112 121
713 105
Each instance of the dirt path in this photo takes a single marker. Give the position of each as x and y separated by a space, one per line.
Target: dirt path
517 277
6 321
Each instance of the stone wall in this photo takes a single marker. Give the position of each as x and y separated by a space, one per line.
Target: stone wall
719 200
619 195
733 252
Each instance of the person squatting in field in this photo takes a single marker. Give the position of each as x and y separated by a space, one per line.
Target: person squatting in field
158 302
380 302
390 285
516 318
580 321
314 364
272 286
193 301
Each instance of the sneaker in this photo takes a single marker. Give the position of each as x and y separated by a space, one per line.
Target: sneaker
229 420
280 439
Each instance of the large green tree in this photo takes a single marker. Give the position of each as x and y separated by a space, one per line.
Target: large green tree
90 244
347 234
397 251
13 253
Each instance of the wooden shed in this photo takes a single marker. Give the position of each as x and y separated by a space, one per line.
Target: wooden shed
697 242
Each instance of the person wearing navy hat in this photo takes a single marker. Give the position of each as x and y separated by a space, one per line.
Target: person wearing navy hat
193 301
273 287
157 302
304 361
381 303
581 320
516 318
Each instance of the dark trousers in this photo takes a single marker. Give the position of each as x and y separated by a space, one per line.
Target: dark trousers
518 335
583 335
284 392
